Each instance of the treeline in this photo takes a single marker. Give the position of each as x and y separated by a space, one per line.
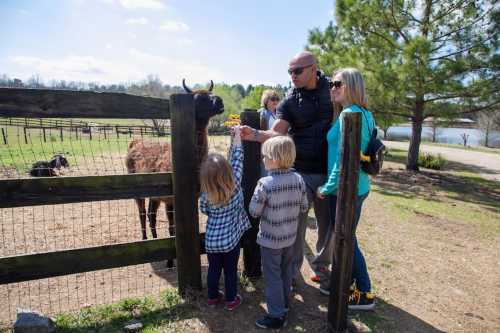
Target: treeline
236 97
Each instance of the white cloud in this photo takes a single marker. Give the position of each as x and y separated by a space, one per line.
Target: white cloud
172 70
131 66
137 21
73 68
184 41
174 26
144 4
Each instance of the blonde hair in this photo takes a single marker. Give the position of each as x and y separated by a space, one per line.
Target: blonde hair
216 179
266 95
354 84
280 148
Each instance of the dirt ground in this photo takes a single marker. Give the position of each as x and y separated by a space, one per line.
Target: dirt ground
430 273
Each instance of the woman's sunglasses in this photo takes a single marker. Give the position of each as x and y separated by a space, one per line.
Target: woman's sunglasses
274 99
336 84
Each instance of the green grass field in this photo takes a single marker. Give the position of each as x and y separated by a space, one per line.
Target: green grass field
20 151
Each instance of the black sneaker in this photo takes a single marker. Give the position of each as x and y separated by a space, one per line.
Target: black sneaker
267 322
324 287
359 300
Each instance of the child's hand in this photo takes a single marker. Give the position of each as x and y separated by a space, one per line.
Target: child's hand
319 194
236 135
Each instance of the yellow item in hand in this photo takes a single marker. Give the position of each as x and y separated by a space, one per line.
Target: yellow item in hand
234 120
365 158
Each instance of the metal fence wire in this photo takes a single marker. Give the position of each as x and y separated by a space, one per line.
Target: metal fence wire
90 148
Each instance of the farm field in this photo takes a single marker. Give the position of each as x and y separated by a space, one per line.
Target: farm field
430 239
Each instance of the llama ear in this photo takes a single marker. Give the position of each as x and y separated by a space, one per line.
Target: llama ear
211 86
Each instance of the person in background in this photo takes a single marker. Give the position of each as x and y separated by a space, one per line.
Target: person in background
267 114
221 200
268 102
278 200
306 115
348 89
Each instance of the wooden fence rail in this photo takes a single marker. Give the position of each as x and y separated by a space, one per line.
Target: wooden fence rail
50 264
80 104
59 190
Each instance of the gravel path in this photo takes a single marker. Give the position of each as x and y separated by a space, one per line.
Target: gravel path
488 164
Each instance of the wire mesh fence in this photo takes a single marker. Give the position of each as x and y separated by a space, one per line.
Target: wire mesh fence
91 148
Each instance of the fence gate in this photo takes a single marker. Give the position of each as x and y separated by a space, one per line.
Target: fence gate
34 247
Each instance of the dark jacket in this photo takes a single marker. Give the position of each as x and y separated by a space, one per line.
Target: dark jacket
310 114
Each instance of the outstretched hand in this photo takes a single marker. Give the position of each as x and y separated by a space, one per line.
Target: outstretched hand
236 132
247 133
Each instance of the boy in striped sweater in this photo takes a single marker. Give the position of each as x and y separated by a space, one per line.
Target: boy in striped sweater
278 199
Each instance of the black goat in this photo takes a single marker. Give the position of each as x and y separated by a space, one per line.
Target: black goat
47 168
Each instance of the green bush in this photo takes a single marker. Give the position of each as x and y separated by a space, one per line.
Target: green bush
429 161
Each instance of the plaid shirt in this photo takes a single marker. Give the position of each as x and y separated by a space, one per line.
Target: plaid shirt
226 223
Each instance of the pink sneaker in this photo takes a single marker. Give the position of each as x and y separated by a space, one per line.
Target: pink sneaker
212 302
230 306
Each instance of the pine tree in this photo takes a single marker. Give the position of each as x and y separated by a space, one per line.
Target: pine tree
416 55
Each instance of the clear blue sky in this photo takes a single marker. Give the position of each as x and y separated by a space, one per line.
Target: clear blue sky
113 41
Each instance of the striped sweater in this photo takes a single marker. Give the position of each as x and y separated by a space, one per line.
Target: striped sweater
278 200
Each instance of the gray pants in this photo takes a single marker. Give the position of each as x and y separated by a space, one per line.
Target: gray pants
322 212
278 271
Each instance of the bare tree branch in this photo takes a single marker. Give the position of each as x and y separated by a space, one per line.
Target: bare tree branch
451 9
396 26
397 114
470 110
462 28
386 39
459 51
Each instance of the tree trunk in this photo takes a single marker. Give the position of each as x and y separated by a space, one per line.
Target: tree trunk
416 136
487 135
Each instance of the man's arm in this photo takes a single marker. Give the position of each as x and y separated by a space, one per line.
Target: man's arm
280 127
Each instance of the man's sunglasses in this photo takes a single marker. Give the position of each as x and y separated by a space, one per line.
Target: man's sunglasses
297 71
336 84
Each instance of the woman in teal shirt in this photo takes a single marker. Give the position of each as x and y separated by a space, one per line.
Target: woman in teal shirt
348 89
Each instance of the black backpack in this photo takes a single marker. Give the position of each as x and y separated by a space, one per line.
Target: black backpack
373 157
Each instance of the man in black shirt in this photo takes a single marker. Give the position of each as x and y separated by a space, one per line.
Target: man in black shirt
306 115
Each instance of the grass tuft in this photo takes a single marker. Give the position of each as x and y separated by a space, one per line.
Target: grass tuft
430 161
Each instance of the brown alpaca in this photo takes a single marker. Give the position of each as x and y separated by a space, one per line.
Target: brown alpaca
148 156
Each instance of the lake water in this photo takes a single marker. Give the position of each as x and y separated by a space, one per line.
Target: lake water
447 135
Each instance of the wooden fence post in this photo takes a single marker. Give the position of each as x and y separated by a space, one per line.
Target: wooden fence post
251 174
344 224
185 176
4 136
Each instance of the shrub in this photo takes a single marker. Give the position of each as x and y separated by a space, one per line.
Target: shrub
429 161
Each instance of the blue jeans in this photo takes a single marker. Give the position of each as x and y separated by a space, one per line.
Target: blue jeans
229 262
359 270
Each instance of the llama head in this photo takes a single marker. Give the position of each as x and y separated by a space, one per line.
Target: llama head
206 105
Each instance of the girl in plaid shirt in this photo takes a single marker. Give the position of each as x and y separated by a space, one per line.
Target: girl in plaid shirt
222 201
